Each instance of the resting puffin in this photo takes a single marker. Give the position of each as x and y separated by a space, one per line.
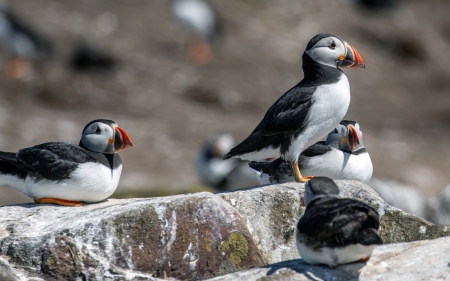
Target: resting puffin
335 230
307 112
67 174
200 20
341 157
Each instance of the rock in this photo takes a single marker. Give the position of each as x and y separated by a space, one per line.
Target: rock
272 211
185 237
422 260
401 196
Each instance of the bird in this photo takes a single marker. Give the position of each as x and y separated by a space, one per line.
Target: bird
334 230
307 112
66 174
200 21
342 156
86 57
213 171
22 42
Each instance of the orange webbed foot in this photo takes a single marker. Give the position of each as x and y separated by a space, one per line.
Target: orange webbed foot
49 200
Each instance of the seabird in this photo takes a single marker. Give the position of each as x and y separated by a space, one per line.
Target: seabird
222 175
67 174
342 156
200 20
307 112
335 230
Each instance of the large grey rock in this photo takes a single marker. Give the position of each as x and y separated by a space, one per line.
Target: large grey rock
187 237
272 212
423 260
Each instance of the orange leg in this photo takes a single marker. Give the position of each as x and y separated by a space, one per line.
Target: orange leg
364 259
297 175
48 200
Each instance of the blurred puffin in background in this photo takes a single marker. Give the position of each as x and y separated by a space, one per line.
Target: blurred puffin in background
222 175
200 21
24 45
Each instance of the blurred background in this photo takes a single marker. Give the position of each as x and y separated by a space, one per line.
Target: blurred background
134 62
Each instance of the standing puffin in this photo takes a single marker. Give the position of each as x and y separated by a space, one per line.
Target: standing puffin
199 19
341 157
67 174
307 112
335 230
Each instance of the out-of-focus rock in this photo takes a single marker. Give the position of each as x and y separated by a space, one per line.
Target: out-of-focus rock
422 260
186 237
272 211
401 196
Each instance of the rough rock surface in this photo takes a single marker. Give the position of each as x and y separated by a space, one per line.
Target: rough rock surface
272 212
187 237
421 260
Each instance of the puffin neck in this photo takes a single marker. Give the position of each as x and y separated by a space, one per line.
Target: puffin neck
315 72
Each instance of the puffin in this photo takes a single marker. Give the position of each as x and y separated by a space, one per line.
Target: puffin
342 156
213 171
200 21
307 112
67 174
334 230
23 43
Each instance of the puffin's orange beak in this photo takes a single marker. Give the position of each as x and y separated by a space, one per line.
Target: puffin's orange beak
354 138
122 140
352 57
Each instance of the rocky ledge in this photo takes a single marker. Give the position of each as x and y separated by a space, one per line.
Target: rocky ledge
187 237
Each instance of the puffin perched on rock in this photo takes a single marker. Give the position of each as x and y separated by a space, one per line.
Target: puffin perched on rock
307 112
66 174
335 230
342 156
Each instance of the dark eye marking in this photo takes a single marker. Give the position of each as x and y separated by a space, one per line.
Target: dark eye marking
332 46
98 131
335 131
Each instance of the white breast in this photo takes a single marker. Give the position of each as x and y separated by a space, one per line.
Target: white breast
334 256
329 106
339 165
90 182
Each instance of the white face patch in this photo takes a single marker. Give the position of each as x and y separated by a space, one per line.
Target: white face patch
327 51
96 136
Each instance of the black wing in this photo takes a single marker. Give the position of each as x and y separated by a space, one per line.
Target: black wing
340 222
53 160
319 148
284 118
266 167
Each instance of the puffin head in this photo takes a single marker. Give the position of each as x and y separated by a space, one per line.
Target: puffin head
319 187
347 136
104 136
329 50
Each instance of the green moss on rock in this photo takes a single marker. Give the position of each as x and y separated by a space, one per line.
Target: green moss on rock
239 245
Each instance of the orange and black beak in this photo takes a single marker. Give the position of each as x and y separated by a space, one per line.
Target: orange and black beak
121 139
352 58
353 137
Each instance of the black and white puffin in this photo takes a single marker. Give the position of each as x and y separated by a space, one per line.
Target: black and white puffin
222 175
23 43
342 156
200 21
307 112
335 230
67 174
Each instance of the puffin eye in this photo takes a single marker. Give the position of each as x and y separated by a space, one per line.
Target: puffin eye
333 46
335 131
98 131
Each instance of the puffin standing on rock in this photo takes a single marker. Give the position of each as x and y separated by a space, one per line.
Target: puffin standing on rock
307 112
335 230
341 157
66 174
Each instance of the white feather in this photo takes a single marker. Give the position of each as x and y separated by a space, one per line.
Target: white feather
330 104
90 182
334 256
